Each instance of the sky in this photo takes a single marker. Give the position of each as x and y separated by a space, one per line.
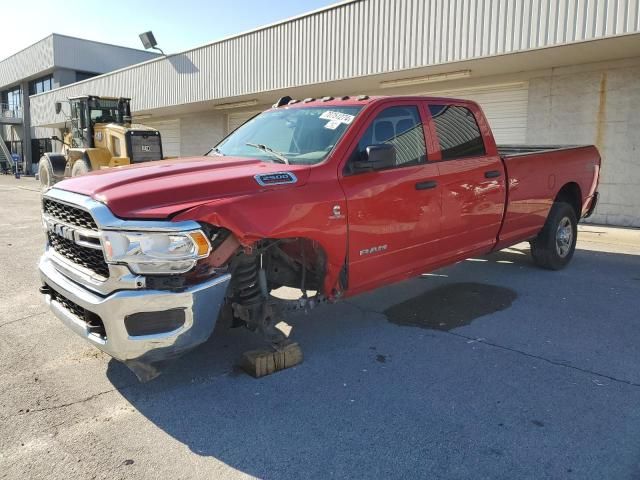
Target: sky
177 25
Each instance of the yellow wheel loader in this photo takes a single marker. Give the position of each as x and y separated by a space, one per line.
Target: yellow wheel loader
100 136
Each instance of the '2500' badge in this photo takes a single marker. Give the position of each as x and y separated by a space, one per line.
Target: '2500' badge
276 178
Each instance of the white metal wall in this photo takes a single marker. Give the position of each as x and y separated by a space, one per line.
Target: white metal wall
28 62
352 39
86 55
505 107
61 51
169 135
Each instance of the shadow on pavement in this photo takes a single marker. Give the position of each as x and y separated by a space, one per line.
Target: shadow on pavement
434 405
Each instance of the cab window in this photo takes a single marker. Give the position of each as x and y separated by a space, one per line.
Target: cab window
458 132
399 126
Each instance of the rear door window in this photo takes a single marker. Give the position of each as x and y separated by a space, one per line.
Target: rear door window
458 132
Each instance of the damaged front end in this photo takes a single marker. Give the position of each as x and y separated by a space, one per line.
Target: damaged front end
294 265
146 291
141 291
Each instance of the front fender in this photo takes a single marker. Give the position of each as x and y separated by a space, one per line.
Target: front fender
305 212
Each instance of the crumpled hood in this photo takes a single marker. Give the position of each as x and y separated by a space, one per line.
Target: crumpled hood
162 188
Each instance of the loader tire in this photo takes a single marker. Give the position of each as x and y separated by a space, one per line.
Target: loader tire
80 167
554 246
45 173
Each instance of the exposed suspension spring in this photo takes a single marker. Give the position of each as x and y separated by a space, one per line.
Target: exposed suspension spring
247 286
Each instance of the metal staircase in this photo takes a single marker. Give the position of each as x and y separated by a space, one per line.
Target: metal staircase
5 154
8 116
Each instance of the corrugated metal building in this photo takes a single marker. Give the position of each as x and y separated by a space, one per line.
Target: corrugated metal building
53 62
545 71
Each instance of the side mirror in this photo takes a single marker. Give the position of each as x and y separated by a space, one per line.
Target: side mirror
377 157
58 107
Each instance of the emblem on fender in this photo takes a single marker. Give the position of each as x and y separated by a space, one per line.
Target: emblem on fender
276 178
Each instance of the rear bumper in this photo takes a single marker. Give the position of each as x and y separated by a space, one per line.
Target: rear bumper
200 304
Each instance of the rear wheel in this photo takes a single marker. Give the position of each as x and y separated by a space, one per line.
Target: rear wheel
80 167
554 246
45 173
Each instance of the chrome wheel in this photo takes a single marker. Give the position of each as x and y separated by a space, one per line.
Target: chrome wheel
564 237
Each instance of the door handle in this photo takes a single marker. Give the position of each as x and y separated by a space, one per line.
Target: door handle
492 174
426 185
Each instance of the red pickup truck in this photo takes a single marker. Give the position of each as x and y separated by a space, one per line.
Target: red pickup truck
330 196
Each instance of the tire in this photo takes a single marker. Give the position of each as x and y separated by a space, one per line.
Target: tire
554 246
80 167
45 173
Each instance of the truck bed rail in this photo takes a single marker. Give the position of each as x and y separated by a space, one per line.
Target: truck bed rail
512 150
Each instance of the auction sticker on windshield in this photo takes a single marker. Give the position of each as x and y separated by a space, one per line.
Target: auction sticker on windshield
337 117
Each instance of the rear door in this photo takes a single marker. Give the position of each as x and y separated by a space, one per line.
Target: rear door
472 178
393 214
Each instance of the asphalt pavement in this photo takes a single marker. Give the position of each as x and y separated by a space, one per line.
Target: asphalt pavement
490 368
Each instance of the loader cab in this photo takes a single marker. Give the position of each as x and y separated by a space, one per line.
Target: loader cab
89 112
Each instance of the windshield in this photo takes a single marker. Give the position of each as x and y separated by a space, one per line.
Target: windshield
296 135
103 111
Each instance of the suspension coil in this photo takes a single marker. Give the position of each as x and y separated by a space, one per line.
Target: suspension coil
246 283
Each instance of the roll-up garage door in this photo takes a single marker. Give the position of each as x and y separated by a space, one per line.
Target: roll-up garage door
234 120
170 134
505 106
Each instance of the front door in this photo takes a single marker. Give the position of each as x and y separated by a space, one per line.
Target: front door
394 213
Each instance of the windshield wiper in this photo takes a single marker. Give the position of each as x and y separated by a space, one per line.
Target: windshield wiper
216 151
270 150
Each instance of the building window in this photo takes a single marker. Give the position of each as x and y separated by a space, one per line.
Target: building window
85 76
12 100
39 147
40 85
458 132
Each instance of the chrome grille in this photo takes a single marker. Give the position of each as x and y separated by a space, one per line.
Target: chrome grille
68 214
72 307
93 321
89 258
64 245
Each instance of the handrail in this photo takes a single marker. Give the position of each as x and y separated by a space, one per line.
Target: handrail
10 111
6 152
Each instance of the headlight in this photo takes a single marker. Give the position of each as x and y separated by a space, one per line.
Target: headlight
156 252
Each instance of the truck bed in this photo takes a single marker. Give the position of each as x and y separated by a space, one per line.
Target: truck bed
512 150
535 174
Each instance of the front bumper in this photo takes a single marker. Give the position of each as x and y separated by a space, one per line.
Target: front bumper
200 303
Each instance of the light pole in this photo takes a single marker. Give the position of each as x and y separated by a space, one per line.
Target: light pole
149 41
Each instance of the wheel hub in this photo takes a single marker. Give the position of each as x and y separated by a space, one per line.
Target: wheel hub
564 237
